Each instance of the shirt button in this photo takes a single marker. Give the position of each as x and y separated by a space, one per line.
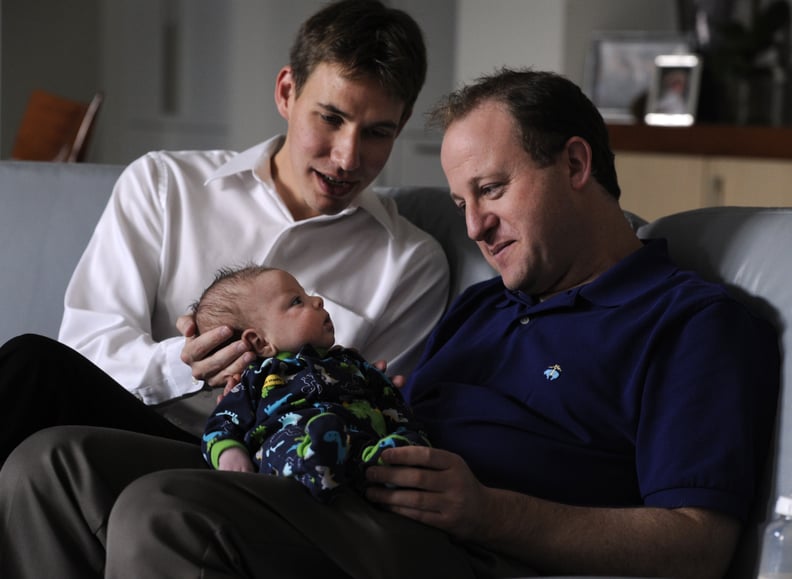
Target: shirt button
525 319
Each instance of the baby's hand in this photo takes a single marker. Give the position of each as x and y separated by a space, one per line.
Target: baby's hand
231 382
235 459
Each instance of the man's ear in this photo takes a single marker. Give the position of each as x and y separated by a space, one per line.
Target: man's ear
259 343
578 154
285 91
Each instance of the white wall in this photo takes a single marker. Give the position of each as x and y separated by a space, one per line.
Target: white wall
508 33
46 44
546 34
261 37
165 71
49 43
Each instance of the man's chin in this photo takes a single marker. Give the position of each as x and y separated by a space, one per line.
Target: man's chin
334 209
329 205
513 283
511 286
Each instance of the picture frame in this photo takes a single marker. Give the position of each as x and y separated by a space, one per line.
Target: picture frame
674 92
620 67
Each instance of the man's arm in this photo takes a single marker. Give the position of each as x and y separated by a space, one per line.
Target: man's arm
438 489
117 286
110 298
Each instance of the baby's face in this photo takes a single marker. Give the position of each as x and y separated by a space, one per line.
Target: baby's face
288 316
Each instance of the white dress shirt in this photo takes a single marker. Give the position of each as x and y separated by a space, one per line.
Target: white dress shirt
175 218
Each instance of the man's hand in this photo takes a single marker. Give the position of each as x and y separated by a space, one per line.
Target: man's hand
433 486
214 369
398 380
437 488
235 459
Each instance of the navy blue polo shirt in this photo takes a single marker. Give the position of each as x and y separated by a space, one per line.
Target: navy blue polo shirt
647 386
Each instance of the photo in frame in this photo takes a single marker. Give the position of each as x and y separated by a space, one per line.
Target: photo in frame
674 92
620 67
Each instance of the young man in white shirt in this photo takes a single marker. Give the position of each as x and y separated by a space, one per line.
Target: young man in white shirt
299 201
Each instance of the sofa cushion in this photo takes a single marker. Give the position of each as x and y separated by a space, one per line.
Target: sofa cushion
49 211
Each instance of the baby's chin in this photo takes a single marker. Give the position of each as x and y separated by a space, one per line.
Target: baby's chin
323 345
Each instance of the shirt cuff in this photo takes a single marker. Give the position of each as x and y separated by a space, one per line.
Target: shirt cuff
178 374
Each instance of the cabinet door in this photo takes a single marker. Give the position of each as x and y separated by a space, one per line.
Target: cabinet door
655 185
750 182
166 70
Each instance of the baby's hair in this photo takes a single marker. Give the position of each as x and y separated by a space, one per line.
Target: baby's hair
219 304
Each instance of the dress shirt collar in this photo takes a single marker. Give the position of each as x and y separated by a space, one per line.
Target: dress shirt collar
257 160
256 157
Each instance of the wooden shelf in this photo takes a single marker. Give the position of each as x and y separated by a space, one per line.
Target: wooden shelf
714 140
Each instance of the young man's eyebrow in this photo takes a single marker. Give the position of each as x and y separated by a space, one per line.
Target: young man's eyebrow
336 111
333 109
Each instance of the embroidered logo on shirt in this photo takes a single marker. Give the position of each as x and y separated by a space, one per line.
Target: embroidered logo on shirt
553 372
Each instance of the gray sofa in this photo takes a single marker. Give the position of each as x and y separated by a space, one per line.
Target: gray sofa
48 211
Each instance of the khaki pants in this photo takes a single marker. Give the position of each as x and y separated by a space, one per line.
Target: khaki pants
81 502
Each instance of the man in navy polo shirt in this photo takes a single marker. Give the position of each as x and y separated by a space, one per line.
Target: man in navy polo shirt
599 411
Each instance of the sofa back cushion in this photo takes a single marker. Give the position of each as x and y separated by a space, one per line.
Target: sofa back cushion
431 209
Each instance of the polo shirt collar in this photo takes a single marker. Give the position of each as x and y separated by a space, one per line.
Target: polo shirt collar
632 276
623 282
258 157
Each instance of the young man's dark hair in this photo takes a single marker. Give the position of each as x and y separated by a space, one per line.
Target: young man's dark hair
365 38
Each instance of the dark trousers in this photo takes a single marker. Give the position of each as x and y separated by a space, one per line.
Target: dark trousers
81 502
45 383
99 502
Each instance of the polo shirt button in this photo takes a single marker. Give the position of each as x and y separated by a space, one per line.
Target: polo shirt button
525 319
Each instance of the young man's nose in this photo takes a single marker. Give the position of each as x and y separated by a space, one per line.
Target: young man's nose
346 151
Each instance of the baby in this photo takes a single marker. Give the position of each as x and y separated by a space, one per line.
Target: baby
304 409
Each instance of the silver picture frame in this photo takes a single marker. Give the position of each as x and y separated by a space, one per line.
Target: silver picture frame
674 92
620 67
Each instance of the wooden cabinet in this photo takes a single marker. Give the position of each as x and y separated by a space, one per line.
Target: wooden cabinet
667 170
760 182
654 185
